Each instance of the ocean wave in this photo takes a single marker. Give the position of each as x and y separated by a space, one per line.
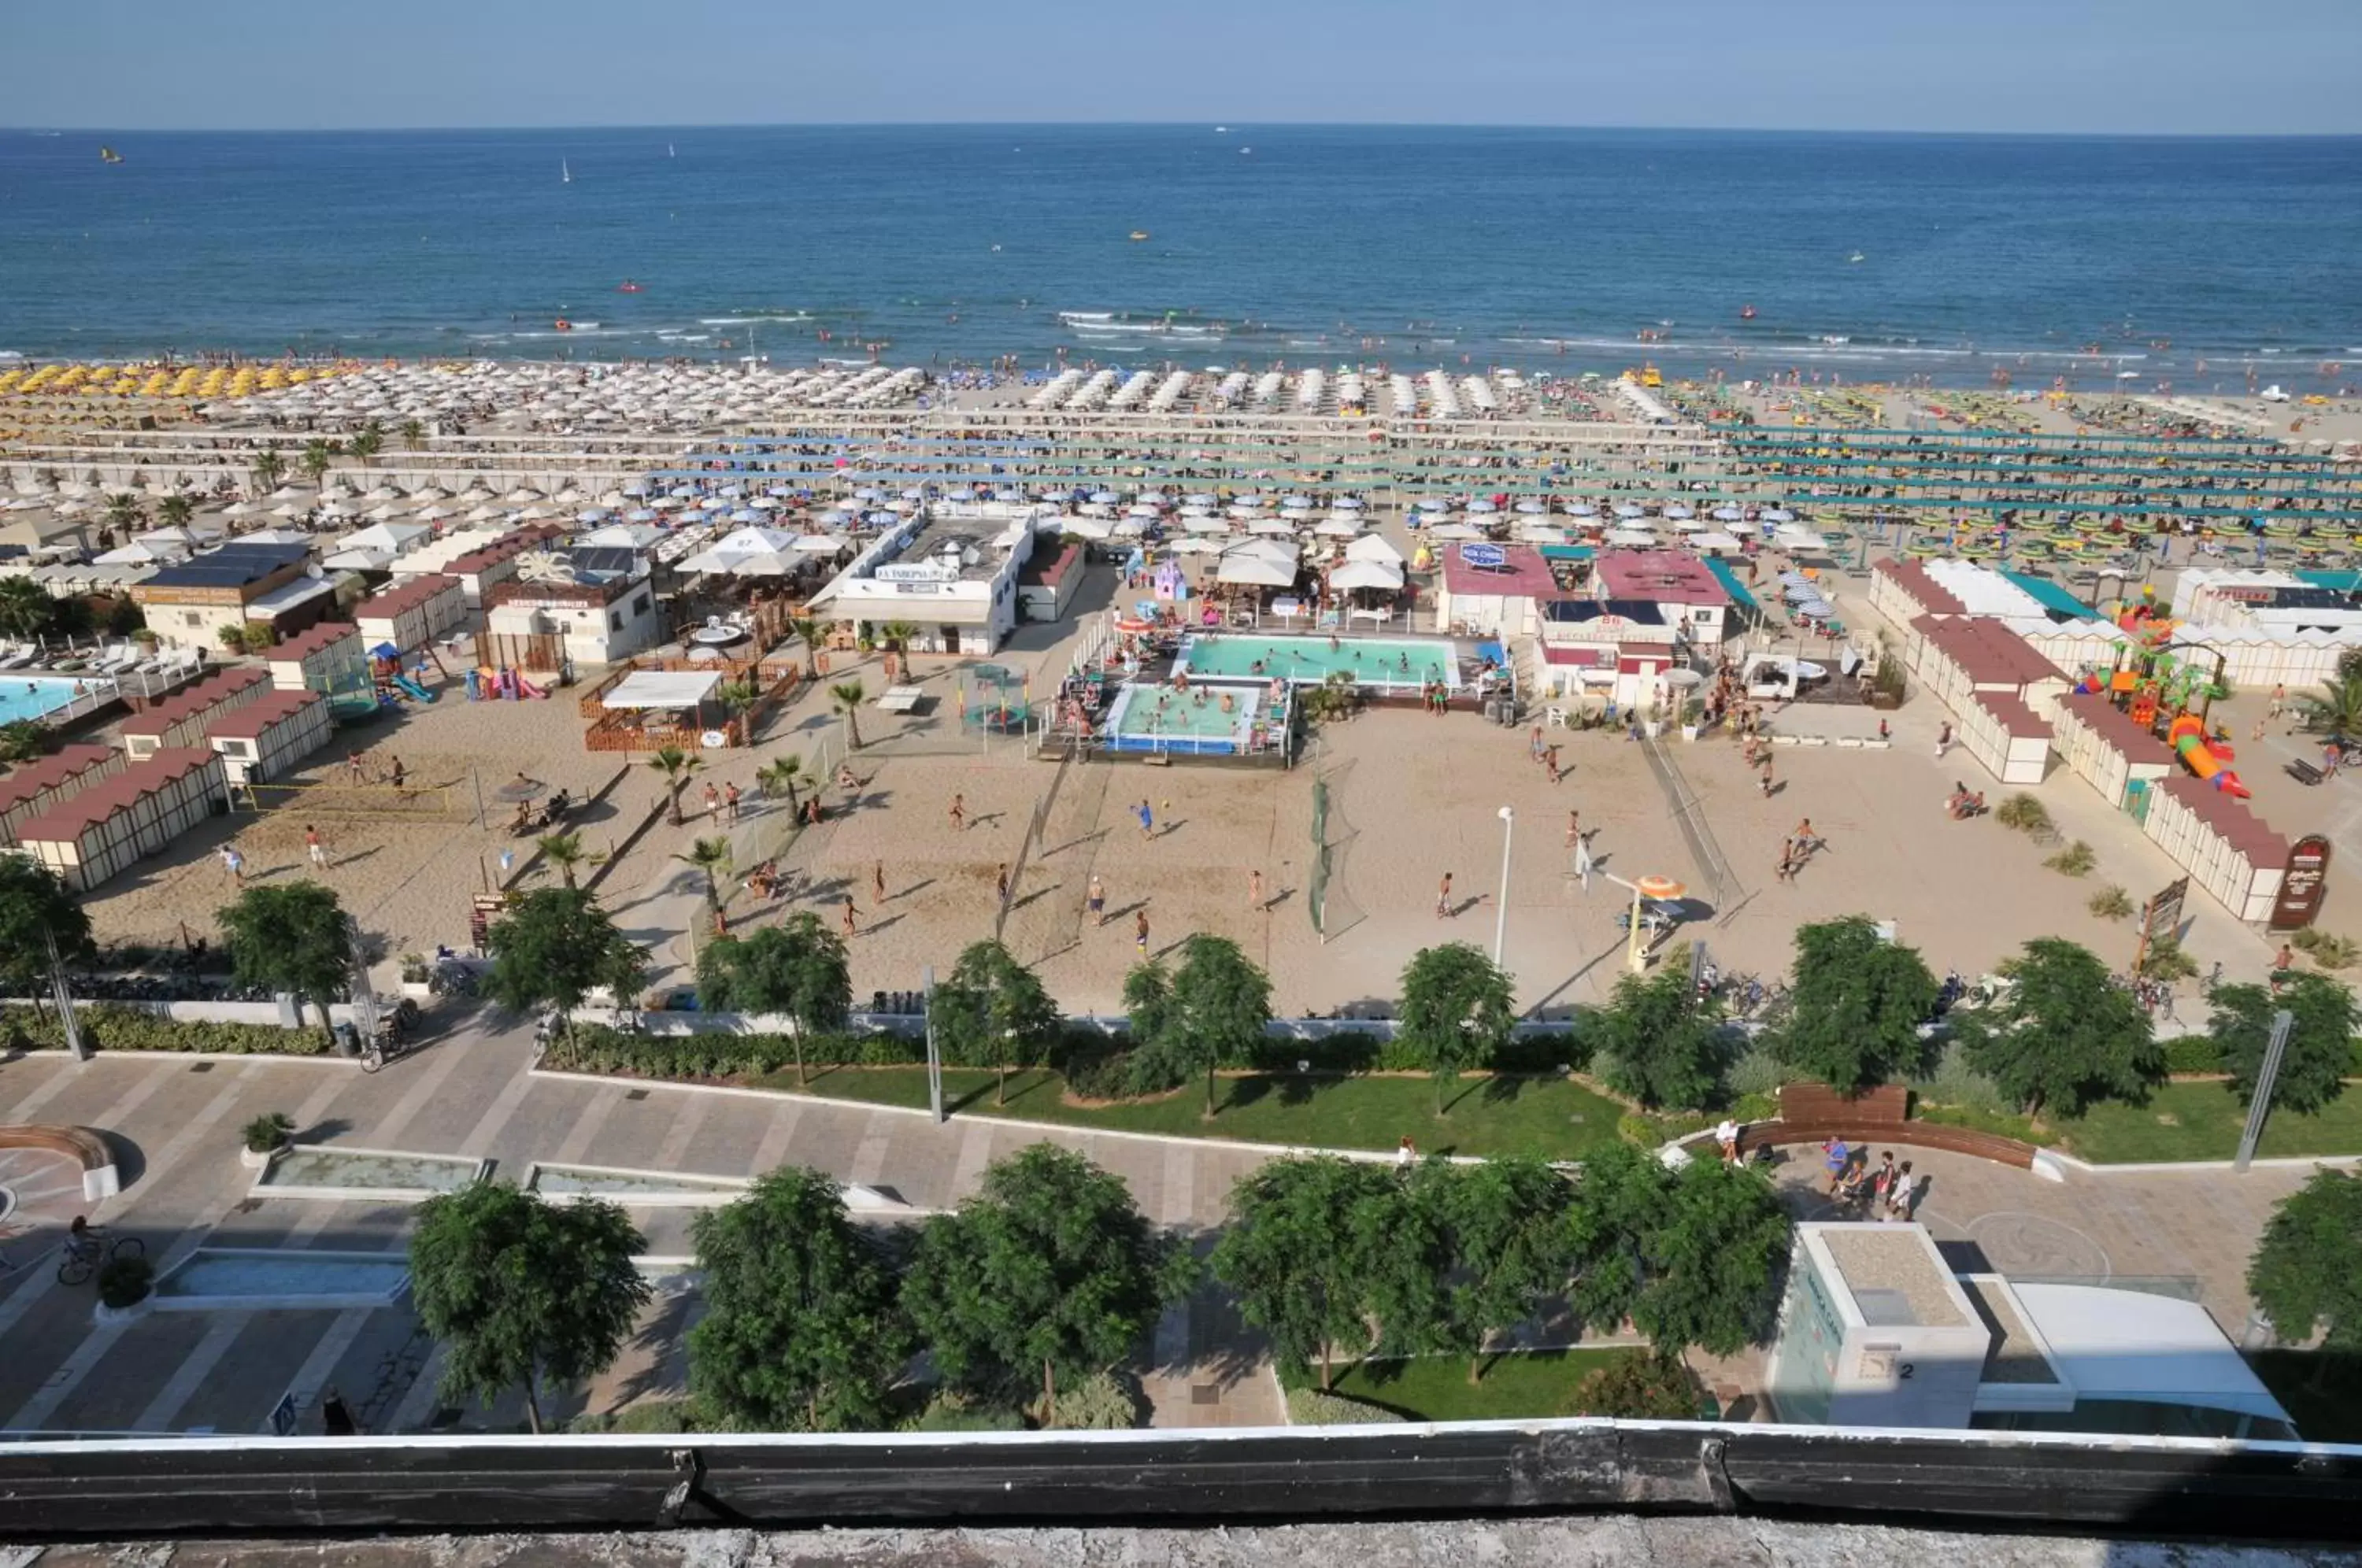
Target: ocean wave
1071 316
752 320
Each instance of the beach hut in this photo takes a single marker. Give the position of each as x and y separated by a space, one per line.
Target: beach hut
2226 848
39 787
413 614
2102 746
105 829
181 720
328 658
268 739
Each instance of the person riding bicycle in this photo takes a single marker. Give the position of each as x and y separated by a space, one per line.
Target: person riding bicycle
81 1241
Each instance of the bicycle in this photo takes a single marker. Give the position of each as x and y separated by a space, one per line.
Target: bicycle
397 1036
84 1258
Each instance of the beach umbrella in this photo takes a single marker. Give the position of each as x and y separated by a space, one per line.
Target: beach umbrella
1366 574
1279 526
591 515
1726 515
1456 531
240 509
1372 547
1295 503
1678 511
1531 508
1631 537
1350 503
1627 508
1779 514
1199 522
1479 508
1200 499
1584 509
1337 528
1103 498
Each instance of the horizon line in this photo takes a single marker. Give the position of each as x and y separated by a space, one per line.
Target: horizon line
982 125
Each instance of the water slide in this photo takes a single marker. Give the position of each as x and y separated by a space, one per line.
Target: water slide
412 689
2188 738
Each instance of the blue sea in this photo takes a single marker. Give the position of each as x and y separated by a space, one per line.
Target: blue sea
1865 256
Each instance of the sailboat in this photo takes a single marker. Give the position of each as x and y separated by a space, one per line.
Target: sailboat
109 155
565 175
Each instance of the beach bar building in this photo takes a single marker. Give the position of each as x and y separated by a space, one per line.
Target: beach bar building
271 738
954 580
39 786
1493 590
185 720
412 615
189 603
111 826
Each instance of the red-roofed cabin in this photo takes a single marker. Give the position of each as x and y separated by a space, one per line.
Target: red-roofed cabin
269 739
39 787
1903 589
412 615
109 827
185 718
2228 849
2106 749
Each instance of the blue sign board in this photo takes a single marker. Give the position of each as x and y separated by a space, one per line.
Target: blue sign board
1491 556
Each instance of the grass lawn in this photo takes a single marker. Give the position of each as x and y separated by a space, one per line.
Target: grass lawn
1551 1117
1436 1387
2194 1121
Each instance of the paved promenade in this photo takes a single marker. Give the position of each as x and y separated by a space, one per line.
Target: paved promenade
176 1122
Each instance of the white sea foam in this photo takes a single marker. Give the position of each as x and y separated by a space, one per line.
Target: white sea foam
1086 315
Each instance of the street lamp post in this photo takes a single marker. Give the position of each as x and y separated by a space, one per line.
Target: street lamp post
1501 915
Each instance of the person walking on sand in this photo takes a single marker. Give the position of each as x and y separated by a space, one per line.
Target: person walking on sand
851 921
1147 822
959 814
1001 883
1549 763
1140 933
1096 901
313 850
878 885
1766 780
1943 739
395 772
1574 829
712 802
1254 890
1443 897
730 805
234 863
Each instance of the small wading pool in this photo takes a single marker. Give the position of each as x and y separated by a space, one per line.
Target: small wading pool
1381 662
232 1279
1166 718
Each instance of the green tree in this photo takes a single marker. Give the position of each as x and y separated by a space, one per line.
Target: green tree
414 434
780 776
1295 1259
553 947
1458 1008
563 850
318 458
802 1324
176 509
25 740
1853 1020
1713 1262
270 468
1503 1232
676 765
1214 1009
521 1290
125 513
737 697
898 635
1620 1200
35 909
798 967
26 608
366 442
2322 1023
2306 1273
292 937
1659 1040
846 697
993 1011
2066 1034
2338 709
711 859
1051 1268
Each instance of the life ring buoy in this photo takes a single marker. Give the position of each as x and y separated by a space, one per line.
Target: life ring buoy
713 740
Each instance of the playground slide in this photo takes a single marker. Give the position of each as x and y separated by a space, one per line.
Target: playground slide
2203 762
412 689
528 688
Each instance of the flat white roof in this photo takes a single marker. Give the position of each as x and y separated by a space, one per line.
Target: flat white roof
661 689
287 595
2113 1344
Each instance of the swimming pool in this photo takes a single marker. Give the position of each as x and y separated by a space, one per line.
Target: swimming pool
1411 662
31 696
1164 718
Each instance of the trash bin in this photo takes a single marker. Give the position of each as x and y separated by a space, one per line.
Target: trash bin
348 1041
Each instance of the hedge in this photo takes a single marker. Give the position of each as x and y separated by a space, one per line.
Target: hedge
128 1029
1081 1054
1311 1408
2196 1053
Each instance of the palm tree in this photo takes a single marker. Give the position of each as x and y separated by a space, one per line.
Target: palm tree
712 856
900 633
368 442
2338 712
737 697
318 458
782 776
26 607
846 697
563 850
414 434
676 765
270 468
124 512
176 509
807 631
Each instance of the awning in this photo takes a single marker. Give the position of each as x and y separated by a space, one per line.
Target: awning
661 689
286 596
1731 585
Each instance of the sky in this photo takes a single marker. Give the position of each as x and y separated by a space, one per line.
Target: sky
2197 67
